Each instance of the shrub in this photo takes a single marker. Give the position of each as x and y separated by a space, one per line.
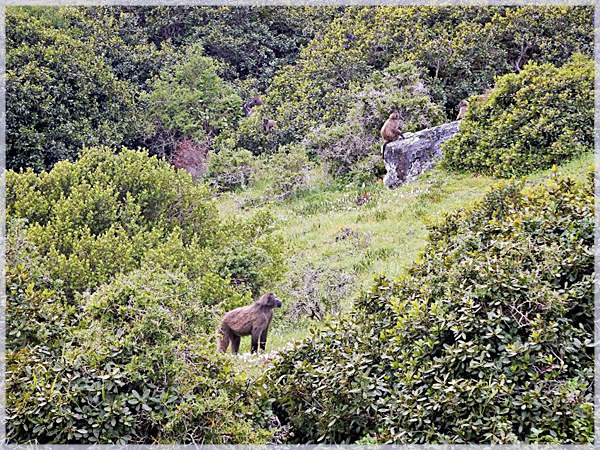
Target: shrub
315 292
530 121
99 216
341 147
487 339
118 268
60 95
352 141
190 156
253 257
458 49
139 368
250 134
286 171
189 100
230 168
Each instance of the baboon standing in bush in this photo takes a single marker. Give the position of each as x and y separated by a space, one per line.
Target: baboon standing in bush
462 109
268 125
250 104
390 131
251 320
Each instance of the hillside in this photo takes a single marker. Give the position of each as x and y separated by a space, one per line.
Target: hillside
339 246
182 176
488 337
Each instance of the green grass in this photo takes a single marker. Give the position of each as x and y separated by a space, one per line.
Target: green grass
382 236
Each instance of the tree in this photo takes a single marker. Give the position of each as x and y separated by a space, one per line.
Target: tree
189 100
61 95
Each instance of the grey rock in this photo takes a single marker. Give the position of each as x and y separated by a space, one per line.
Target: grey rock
405 159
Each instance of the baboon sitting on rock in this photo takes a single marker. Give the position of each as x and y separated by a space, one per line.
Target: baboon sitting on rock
251 320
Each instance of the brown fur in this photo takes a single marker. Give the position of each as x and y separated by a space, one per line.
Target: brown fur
269 124
390 131
250 104
253 320
463 106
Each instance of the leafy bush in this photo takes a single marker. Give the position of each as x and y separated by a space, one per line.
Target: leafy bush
189 100
230 168
251 42
117 34
253 256
99 216
118 269
533 120
315 292
60 95
398 88
458 49
250 135
487 339
139 367
287 171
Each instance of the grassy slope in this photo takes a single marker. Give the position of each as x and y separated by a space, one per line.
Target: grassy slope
390 228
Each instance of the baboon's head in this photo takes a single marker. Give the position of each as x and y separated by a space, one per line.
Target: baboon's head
269 300
394 116
463 103
258 101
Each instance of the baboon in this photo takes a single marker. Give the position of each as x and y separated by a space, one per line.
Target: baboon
268 125
251 320
250 104
463 106
390 131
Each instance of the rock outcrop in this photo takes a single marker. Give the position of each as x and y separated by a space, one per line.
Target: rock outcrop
405 159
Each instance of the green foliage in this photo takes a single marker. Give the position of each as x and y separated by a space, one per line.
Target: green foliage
230 168
99 216
287 171
530 121
118 270
251 42
189 100
250 135
459 50
35 315
118 36
119 266
139 367
61 95
398 88
253 257
487 339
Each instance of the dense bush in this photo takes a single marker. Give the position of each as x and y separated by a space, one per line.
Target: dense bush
250 135
530 121
487 339
230 168
287 171
190 156
139 366
189 100
118 268
459 50
252 42
116 34
398 88
60 95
